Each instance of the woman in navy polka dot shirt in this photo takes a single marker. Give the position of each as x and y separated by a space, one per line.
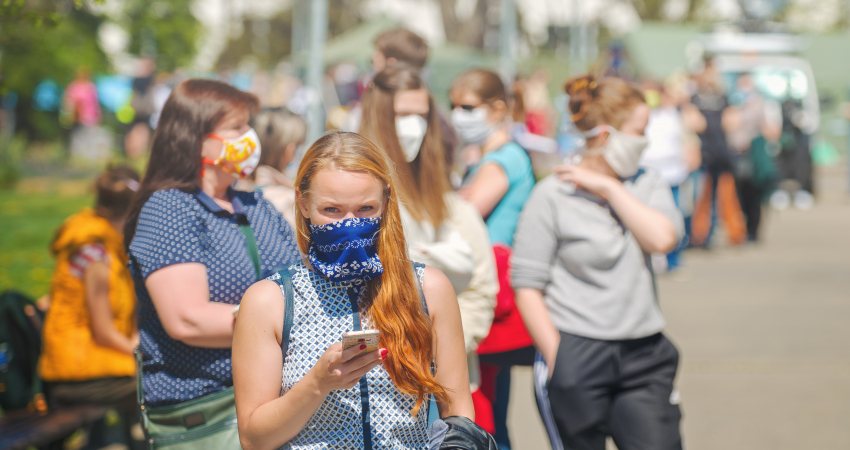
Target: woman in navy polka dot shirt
189 240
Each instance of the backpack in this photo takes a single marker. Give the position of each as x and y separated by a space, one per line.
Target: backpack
20 347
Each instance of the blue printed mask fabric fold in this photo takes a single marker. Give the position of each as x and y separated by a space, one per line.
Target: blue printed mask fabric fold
347 250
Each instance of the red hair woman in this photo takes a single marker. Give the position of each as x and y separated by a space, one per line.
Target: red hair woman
356 276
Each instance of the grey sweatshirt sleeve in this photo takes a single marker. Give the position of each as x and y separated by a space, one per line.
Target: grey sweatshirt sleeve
661 199
536 240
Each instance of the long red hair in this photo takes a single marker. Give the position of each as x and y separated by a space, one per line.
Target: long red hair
395 308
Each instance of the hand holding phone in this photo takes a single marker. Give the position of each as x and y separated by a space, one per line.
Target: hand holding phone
344 363
369 338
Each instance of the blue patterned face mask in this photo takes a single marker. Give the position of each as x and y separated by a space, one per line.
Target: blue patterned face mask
346 250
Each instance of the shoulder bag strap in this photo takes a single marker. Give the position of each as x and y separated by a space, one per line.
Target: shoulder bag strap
251 245
248 232
419 288
241 220
140 396
433 408
137 354
284 280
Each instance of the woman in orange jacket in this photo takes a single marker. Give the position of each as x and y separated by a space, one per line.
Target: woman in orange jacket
90 330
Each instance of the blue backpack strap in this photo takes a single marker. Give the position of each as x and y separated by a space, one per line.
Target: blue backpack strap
284 279
419 286
433 409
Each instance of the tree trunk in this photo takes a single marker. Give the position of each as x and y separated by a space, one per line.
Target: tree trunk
650 10
450 22
694 7
466 31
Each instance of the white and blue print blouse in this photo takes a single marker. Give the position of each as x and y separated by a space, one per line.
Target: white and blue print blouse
371 415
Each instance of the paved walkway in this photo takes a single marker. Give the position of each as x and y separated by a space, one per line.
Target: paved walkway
764 333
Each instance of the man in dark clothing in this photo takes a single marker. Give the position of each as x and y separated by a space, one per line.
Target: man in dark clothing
719 196
794 160
755 132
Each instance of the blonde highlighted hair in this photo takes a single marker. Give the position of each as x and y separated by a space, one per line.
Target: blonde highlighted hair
395 308
278 130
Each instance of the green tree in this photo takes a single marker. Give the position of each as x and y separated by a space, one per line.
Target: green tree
52 39
40 40
164 29
268 40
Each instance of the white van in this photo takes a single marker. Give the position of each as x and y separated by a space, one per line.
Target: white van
773 60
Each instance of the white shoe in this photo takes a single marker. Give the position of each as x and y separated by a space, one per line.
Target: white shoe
780 200
803 200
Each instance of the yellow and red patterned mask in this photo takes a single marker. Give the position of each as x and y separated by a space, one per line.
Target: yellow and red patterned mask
240 155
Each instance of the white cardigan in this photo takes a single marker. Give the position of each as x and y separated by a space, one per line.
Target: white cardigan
461 249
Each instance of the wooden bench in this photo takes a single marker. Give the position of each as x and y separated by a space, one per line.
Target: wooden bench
22 429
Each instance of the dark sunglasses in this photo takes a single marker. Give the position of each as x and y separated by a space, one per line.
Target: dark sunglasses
464 107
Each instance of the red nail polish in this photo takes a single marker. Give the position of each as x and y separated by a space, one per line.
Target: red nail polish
362 346
383 353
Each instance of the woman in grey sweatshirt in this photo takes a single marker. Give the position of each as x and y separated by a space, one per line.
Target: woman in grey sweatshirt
585 285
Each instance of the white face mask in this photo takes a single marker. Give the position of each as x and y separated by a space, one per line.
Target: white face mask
411 132
240 155
472 126
622 151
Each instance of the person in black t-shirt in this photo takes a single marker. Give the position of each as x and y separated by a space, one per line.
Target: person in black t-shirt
719 196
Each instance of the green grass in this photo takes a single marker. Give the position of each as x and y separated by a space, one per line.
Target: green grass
29 221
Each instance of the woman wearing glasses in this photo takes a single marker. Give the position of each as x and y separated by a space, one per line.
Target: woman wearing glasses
497 186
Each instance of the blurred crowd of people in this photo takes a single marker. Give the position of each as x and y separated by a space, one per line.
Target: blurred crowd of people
550 231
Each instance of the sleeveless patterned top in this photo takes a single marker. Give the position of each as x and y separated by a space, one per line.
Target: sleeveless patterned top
370 415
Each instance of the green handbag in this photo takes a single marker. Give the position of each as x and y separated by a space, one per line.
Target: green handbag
204 423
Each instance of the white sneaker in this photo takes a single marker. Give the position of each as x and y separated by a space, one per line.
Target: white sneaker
803 200
780 200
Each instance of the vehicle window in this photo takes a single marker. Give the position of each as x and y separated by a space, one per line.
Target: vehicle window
781 84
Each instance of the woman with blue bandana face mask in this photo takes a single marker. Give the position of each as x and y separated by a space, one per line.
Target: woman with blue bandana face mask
584 279
356 276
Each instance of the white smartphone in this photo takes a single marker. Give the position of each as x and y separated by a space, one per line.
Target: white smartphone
369 338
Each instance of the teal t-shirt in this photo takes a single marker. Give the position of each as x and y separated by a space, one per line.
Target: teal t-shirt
514 161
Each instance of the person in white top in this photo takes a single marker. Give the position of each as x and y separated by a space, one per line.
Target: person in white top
666 134
442 230
673 150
